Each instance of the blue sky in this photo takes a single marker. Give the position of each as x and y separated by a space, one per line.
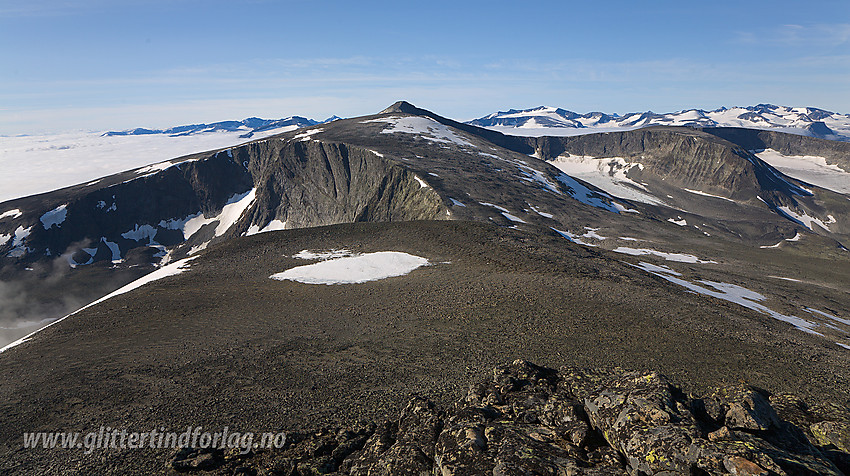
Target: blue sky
112 64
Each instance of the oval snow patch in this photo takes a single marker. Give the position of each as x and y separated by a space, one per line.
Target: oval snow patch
354 269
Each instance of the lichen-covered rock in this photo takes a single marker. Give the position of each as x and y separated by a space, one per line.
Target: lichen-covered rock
834 433
741 407
639 416
531 420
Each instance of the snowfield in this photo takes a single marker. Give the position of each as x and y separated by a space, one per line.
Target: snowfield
352 269
609 174
810 169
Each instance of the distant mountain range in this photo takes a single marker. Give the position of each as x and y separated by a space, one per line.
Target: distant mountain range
544 120
250 126
548 121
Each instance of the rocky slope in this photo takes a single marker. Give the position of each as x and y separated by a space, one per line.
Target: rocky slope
221 344
527 419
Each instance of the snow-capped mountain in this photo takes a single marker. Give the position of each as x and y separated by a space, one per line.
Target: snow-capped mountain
248 127
543 120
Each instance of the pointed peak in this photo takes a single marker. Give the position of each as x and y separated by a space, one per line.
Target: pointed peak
404 107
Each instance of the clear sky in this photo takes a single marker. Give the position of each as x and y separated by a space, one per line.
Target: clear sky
112 64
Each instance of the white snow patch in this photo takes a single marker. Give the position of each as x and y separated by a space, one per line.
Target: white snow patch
681 221
543 214
591 233
827 315
354 269
590 197
18 247
497 207
422 183
198 248
152 169
140 233
170 270
113 247
704 194
572 237
678 257
230 213
274 225
652 268
306 135
322 255
456 202
13 213
804 219
513 218
5 239
55 217
234 209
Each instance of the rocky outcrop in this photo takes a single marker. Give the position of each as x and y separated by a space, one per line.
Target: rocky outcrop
527 419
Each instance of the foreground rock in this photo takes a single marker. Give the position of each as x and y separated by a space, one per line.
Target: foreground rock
528 419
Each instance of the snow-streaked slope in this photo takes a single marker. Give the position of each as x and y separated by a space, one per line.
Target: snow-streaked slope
732 293
172 269
542 121
424 127
37 164
811 169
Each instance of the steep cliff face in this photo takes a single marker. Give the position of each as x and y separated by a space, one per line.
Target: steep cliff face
312 183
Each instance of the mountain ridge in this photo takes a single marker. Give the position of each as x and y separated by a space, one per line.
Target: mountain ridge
542 120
